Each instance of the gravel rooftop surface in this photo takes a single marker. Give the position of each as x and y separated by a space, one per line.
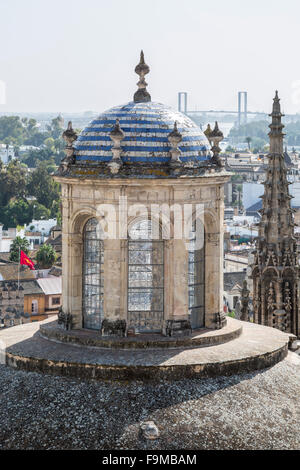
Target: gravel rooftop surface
251 411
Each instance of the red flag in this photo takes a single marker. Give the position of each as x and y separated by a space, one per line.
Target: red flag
25 260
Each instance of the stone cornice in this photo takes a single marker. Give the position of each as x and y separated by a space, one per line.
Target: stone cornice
213 178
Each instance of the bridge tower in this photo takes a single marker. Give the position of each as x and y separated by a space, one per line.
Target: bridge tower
182 102
242 114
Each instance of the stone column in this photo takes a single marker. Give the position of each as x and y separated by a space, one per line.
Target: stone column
66 257
112 280
211 279
262 319
168 275
214 270
180 280
74 280
297 307
123 279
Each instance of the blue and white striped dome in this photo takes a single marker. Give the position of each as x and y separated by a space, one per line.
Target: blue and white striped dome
146 126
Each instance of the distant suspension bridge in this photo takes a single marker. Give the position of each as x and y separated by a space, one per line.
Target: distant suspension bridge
242 111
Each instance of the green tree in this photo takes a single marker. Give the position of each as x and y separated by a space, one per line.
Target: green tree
248 140
16 212
239 188
16 131
251 130
230 149
258 144
59 218
56 211
46 256
39 212
32 134
50 144
11 130
56 127
42 186
34 157
236 178
18 244
12 181
59 145
292 131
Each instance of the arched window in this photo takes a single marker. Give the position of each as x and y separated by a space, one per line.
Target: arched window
92 285
196 274
145 278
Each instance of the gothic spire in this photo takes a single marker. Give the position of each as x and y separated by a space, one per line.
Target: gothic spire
277 214
275 268
276 135
142 95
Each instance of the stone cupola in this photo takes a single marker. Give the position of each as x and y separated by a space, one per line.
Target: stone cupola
136 185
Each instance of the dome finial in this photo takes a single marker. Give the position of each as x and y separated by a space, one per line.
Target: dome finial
142 95
175 137
215 138
69 136
116 135
207 132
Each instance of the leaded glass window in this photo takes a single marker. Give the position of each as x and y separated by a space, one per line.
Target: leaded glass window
196 281
92 288
145 279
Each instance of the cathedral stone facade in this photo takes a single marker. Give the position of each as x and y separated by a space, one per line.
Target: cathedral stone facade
131 161
275 271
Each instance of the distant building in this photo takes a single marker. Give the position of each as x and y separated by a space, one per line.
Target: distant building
233 283
248 168
228 213
21 302
12 271
253 210
34 238
52 290
251 193
26 148
42 226
55 239
28 300
7 153
236 261
7 237
34 301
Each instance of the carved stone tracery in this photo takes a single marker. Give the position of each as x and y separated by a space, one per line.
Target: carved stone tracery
275 271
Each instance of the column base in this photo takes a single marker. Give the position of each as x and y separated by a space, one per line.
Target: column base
113 328
177 328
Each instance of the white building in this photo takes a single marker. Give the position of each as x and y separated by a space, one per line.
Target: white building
7 153
233 283
251 193
236 262
8 236
42 226
34 238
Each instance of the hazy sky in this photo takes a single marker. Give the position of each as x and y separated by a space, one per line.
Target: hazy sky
78 55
